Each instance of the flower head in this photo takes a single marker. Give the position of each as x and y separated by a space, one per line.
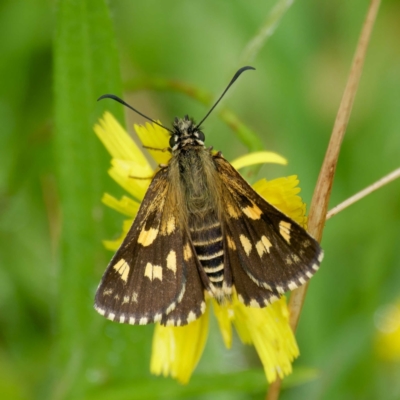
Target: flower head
387 341
177 350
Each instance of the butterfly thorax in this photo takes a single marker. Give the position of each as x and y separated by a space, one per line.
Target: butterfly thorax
199 189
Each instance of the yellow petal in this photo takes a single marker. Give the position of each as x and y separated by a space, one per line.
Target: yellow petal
177 350
224 315
118 143
125 206
239 320
125 173
114 244
258 157
152 135
271 335
282 193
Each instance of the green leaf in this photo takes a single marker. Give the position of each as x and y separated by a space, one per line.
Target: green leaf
249 381
85 67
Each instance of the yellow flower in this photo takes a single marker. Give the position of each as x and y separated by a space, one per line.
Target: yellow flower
177 350
387 342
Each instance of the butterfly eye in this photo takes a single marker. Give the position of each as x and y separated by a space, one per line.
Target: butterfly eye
201 135
172 141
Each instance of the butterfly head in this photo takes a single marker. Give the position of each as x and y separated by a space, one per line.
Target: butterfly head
186 133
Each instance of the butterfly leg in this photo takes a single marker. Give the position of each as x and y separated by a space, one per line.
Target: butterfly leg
157 149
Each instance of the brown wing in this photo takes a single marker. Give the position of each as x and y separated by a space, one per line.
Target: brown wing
275 253
148 277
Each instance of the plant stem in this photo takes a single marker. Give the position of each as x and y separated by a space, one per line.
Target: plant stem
319 203
365 192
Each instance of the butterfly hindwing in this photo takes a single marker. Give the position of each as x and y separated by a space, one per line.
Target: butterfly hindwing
192 304
146 278
249 293
274 251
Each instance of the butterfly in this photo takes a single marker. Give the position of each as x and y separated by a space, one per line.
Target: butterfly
202 230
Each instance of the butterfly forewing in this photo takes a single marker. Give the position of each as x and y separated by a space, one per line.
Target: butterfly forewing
274 251
145 279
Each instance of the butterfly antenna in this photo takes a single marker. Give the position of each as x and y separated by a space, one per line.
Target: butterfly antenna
116 98
238 73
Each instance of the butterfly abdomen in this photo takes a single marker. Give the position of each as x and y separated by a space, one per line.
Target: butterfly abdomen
208 244
199 180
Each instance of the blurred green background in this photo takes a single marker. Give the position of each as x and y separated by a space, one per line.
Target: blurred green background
58 57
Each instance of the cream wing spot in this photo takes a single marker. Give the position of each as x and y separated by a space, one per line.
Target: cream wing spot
191 317
292 285
171 261
157 317
170 308
284 230
148 271
147 237
182 293
157 272
296 258
254 303
111 316
168 227
134 297
260 248
315 267
246 244
266 286
273 299
122 268
101 311
280 289
253 212
231 243
266 243
232 211
187 252
263 245
153 271
288 260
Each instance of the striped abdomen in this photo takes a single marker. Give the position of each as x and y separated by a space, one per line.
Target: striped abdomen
207 240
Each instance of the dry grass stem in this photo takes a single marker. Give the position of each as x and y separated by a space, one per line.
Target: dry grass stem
320 200
358 196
